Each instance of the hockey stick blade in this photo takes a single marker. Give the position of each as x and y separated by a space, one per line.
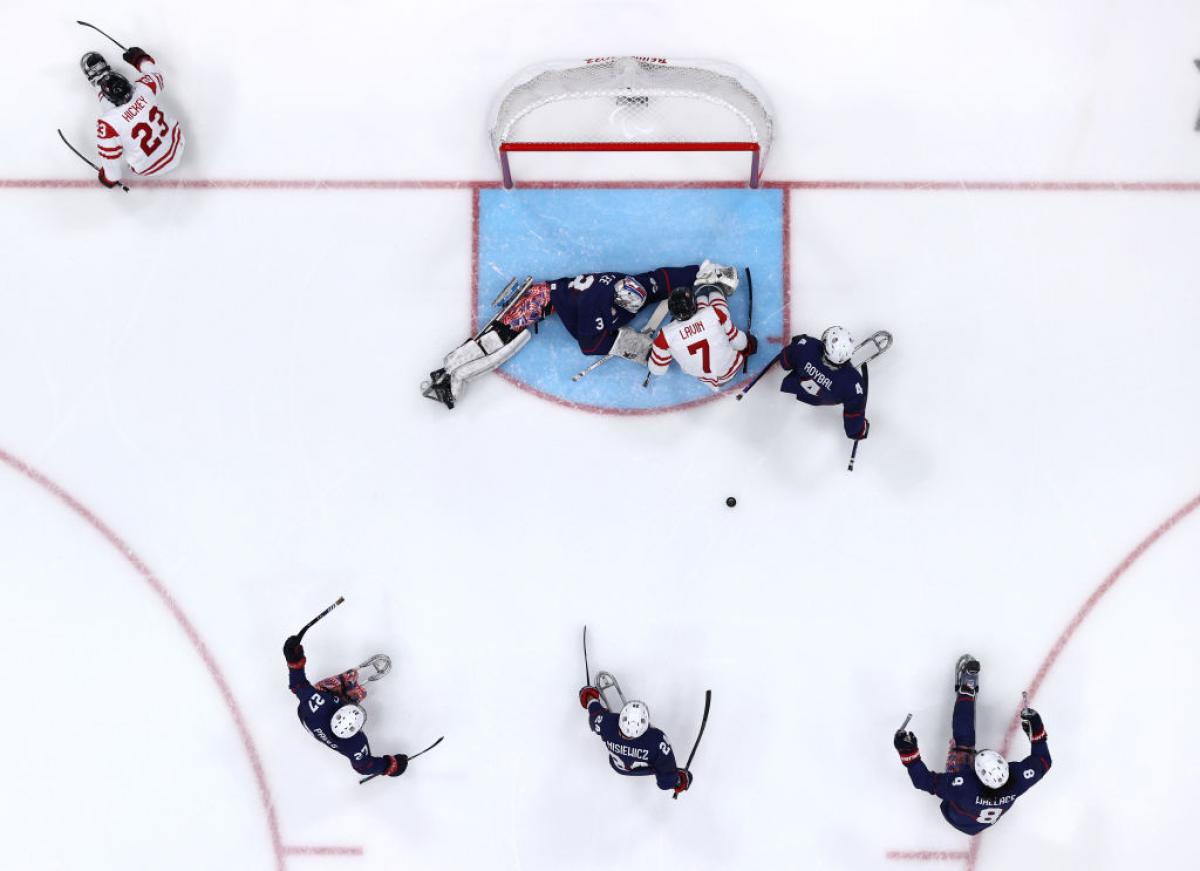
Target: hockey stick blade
703 723
410 759
756 378
67 143
102 33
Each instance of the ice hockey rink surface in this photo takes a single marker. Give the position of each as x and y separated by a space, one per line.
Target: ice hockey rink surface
212 428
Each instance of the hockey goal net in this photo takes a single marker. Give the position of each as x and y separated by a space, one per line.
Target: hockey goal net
615 104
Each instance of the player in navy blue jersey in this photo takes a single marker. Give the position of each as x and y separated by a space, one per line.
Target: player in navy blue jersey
329 711
820 373
635 748
977 787
595 307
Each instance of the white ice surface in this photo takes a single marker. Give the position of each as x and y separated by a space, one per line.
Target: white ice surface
227 380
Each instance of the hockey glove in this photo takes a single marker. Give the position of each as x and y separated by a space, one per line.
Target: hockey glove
906 745
587 695
685 780
104 180
293 650
751 344
1031 722
134 57
866 429
396 765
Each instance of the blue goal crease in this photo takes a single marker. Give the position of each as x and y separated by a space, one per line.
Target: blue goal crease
552 233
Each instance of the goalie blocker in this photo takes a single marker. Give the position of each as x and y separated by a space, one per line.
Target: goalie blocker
594 307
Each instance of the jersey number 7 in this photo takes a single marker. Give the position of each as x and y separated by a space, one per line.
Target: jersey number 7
702 347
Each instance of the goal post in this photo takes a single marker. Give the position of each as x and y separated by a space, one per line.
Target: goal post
632 104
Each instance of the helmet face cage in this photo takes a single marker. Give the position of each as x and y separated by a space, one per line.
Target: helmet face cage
839 345
347 721
991 769
634 719
629 294
682 303
116 88
94 66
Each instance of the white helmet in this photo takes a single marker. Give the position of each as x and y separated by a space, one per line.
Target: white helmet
991 768
629 294
635 719
347 721
839 345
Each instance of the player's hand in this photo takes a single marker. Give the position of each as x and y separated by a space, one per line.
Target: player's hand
751 344
397 765
134 57
587 695
866 429
104 180
685 780
906 745
1031 722
293 650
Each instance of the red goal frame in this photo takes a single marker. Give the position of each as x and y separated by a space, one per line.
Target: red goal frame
753 147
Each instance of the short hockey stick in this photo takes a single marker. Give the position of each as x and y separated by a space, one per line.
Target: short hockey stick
765 370
313 621
749 315
410 759
84 159
703 723
854 452
587 672
102 33
904 725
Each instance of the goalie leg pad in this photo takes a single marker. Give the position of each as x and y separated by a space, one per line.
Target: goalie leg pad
724 277
496 352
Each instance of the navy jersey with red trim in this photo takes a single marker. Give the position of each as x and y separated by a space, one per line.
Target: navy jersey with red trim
648 754
587 306
316 710
815 381
970 806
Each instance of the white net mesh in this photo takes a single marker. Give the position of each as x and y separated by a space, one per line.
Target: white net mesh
632 100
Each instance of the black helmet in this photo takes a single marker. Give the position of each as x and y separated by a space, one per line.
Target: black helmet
94 66
682 303
116 88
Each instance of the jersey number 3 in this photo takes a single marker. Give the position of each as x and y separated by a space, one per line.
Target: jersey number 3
143 132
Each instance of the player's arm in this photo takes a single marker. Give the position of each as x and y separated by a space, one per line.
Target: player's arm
792 353
592 702
108 147
359 753
141 61
660 355
854 410
738 340
667 773
932 782
293 652
1033 767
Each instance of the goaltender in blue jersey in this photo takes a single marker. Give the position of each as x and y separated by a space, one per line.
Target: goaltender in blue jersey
978 787
595 307
820 373
635 748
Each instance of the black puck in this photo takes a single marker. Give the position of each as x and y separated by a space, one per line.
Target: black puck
731 502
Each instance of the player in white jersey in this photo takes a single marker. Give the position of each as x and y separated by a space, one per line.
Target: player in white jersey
133 124
702 338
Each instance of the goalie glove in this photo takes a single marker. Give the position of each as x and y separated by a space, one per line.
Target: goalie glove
632 345
724 277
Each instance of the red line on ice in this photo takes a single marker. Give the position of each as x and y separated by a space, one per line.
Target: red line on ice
214 670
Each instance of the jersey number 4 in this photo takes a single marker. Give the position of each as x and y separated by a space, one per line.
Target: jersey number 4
143 132
702 347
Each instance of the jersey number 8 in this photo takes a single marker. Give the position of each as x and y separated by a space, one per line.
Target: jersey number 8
989 815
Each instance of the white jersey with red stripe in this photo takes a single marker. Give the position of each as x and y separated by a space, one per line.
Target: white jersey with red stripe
707 346
142 131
